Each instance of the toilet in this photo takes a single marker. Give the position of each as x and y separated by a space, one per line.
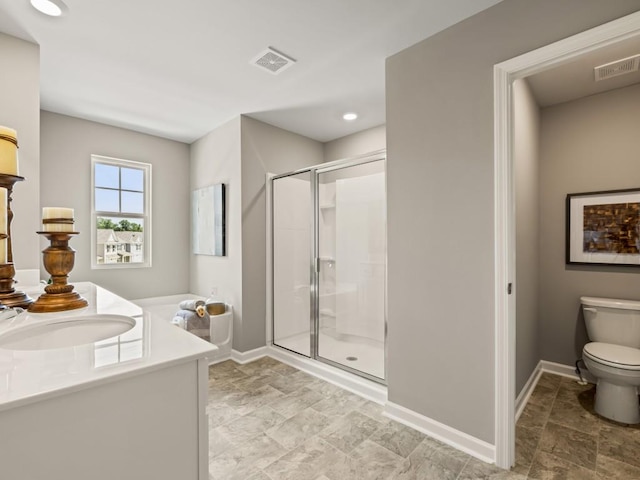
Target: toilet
613 355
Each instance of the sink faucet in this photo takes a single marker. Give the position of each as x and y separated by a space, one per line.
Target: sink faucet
8 313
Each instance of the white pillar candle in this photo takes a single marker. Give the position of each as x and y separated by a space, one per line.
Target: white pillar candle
57 213
8 151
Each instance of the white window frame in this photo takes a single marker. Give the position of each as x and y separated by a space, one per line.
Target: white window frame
146 216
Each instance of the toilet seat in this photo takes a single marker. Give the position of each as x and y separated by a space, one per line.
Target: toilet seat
617 356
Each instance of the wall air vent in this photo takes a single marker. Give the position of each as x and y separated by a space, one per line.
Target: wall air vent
619 67
273 61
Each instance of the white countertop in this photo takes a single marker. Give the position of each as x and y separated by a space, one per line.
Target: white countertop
32 375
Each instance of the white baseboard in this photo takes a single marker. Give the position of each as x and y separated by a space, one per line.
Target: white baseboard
527 390
353 383
550 367
566 370
462 441
249 356
239 357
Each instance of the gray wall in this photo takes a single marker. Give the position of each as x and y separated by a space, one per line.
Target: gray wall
239 154
67 144
587 145
359 143
20 110
526 121
215 158
265 149
440 203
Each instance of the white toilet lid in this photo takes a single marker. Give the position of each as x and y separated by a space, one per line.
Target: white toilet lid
617 356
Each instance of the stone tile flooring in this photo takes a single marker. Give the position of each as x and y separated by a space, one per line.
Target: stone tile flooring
270 421
559 436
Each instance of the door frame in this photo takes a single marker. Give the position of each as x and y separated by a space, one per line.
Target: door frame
505 74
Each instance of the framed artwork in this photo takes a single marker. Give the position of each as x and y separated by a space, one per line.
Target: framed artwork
603 228
209 221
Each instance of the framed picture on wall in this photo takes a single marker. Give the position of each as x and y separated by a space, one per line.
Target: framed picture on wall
603 228
209 221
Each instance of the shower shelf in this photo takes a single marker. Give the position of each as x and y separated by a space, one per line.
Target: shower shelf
328 259
328 205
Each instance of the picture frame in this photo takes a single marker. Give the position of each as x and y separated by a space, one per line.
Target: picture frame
603 228
209 221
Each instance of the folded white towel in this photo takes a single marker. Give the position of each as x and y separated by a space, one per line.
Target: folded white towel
193 305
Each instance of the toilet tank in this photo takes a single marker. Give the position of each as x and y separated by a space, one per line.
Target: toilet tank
611 320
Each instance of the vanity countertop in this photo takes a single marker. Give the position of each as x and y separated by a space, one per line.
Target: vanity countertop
28 376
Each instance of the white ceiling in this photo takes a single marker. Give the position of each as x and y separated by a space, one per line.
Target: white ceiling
576 79
179 69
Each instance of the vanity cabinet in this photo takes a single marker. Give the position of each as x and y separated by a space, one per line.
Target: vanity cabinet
126 408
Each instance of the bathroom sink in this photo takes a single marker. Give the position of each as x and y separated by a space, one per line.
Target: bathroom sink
65 332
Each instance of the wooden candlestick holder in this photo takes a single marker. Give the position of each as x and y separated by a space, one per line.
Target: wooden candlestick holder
58 259
9 296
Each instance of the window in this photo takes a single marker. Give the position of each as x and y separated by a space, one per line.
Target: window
121 206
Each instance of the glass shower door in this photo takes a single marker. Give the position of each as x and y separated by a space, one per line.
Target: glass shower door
292 254
351 264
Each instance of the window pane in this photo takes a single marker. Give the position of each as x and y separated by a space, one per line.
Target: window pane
119 240
132 179
106 176
132 202
107 200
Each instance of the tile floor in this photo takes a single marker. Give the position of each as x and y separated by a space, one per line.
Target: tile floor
270 421
559 436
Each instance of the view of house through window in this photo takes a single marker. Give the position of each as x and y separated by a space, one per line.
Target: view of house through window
120 212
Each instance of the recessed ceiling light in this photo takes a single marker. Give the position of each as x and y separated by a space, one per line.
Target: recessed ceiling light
350 116
53 8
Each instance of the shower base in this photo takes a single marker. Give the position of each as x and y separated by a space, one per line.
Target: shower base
358 353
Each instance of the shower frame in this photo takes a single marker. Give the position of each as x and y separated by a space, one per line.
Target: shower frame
314 260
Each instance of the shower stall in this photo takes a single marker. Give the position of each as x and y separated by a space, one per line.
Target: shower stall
328 227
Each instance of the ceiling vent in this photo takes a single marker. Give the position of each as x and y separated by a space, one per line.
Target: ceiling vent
619 67
273 61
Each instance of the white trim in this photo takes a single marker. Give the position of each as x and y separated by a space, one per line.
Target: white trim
240 357
360 386
527 390
462 441
566 371
549 367
249 356
504 74
504 251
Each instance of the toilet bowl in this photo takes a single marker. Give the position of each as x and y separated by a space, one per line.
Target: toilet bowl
613 357
617 369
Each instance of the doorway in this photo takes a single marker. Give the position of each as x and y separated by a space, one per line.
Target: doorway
504 75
